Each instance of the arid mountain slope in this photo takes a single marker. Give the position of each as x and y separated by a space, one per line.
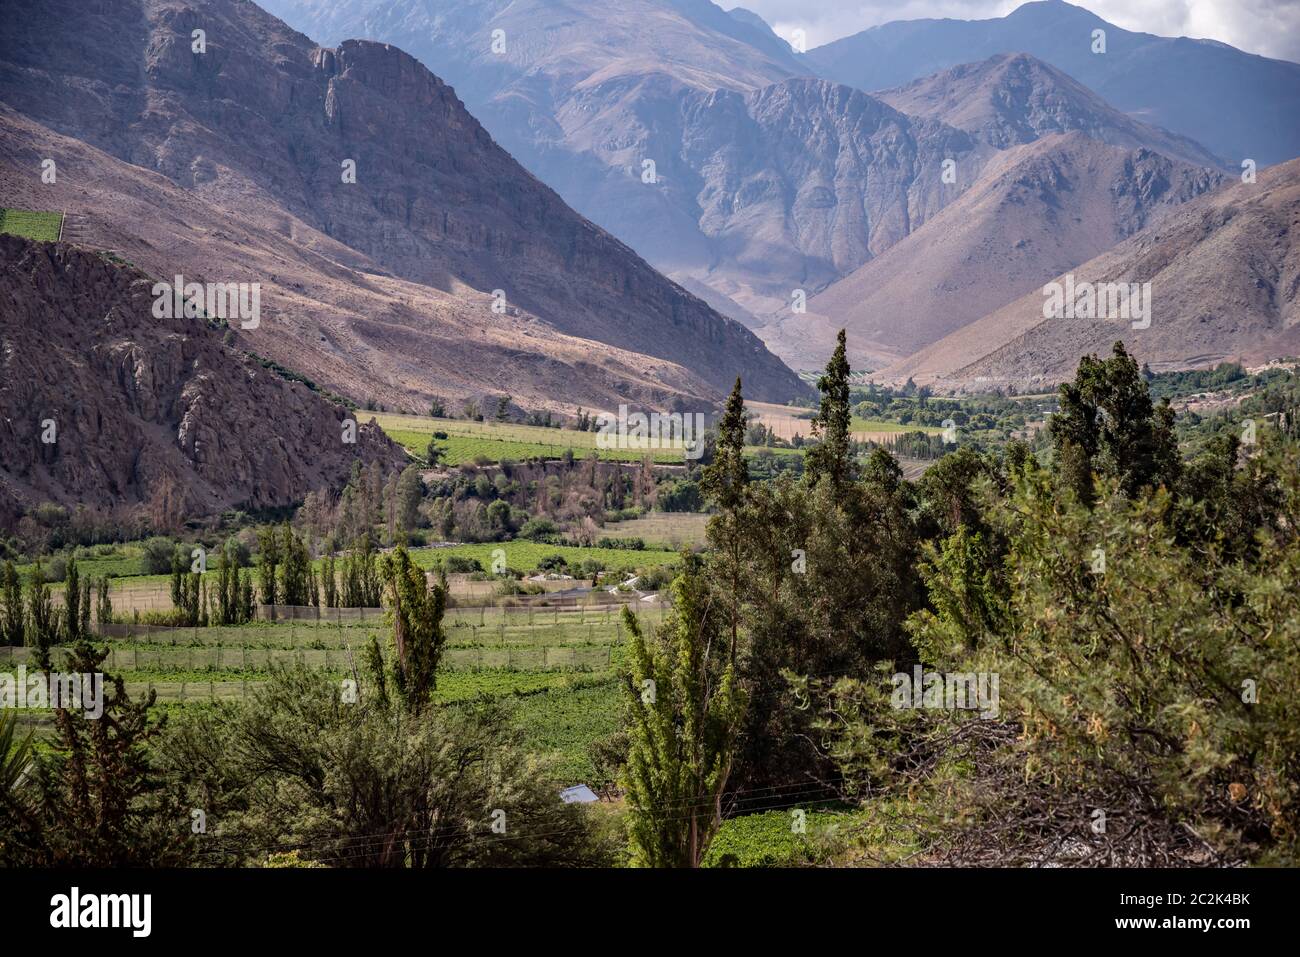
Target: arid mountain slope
352 327
1224 271
1036 211
1237 104
146 412
576 89
802 181
1014 98
764 181
260 124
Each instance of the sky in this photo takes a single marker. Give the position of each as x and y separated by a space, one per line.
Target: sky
1267 27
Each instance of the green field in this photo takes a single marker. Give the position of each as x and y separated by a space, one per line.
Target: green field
554 671
880 425
31 224
665 529
493 441
468 441
770 839
124 561
524 555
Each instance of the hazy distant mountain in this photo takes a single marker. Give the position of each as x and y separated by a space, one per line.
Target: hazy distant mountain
800 182
765 182
1237 104
148 413
1013 98
1225 282
1037 210
388 282
582 92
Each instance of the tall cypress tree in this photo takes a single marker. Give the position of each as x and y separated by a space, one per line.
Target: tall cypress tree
725 482
830 458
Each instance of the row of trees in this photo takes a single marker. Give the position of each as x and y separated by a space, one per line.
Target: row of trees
30 617
284 576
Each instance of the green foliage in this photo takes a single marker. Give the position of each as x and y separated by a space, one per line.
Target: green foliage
295 577
769 839
415 611
13 617
72 602
103 603
43 618
359 785
683 728
1108 425
360 582
96 799
830 458
158 554
268 559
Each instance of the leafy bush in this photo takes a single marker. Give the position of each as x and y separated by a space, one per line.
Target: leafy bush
459 564
158 554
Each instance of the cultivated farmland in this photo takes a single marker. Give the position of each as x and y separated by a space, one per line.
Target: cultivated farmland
555 669
31 224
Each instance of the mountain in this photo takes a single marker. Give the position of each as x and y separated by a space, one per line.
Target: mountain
582 92
1014 98
1237 104
1036 211
802 181
765 182
1224 271
145 412
399 270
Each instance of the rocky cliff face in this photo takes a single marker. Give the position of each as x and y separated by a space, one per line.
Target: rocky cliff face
104 405
1013 98
803 181
260 124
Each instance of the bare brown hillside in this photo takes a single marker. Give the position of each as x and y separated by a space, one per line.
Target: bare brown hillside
258 125
1224 272
1037 210
146 413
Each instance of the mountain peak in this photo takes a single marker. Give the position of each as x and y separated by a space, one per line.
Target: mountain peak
1014 98
1208 92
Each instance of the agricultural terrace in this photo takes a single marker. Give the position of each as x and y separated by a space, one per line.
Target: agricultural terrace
31 224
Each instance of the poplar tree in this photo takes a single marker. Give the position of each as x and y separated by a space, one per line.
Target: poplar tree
72 600
12 614
104 604
268 548
297 566
415 611
44 619
686 710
